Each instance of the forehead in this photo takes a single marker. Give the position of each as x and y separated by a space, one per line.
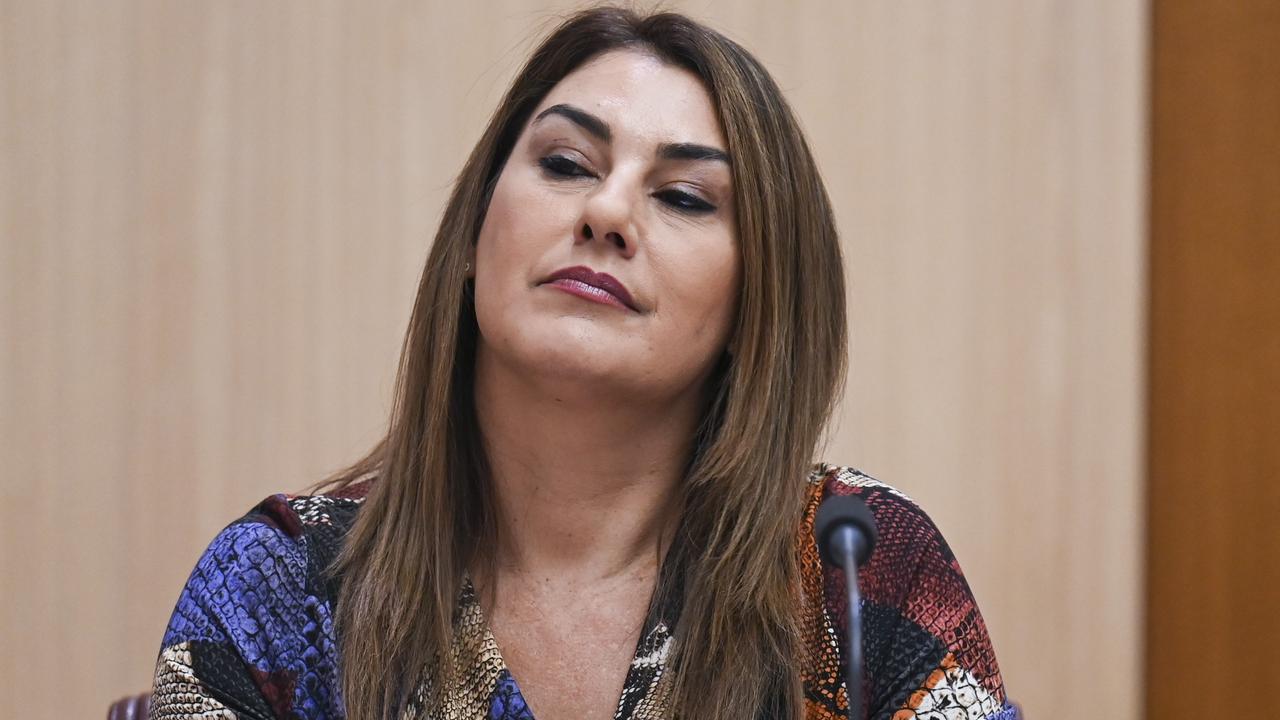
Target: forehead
642 98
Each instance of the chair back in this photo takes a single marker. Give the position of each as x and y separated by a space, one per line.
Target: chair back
134 707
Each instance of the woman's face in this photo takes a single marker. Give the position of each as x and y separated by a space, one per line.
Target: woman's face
621 172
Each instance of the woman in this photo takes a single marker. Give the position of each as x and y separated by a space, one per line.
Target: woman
627 338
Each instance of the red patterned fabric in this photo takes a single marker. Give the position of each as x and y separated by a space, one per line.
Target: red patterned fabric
927 653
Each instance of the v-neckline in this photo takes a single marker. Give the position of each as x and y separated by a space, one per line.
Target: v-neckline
643 687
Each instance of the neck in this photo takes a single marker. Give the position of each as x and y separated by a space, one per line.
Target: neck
586 486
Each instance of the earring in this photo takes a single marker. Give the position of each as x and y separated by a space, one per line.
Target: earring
467 268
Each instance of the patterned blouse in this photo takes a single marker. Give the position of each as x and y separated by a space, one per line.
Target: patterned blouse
252 634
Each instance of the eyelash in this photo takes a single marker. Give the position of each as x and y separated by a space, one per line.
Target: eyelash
564 168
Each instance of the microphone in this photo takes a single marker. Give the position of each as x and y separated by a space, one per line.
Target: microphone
845 532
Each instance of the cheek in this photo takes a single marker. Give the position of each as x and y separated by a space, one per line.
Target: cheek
720 299
501 241
523 224
493 259
499 223
523 221
704 303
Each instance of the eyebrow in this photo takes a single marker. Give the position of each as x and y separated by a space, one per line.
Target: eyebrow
600 129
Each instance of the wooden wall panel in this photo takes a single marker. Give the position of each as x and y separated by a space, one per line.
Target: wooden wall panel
987 160
1214 499
212 216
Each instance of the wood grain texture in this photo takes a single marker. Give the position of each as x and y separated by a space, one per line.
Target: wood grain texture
987 159
212 216
1213 544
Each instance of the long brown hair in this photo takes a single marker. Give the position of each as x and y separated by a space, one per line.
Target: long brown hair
732 567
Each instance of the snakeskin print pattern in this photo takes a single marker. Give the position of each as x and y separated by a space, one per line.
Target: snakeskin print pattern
253 628
926 650
179 693
484 687
252 633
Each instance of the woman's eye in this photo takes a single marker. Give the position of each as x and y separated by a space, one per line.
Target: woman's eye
685 202
562 166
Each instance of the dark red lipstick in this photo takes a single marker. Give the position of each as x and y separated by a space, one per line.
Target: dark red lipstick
590 285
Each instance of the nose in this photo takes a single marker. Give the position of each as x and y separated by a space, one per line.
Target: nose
608 217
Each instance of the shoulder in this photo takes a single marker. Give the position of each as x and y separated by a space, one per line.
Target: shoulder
282 539
907 535
925 639
826 479
911 556
271 559
254 622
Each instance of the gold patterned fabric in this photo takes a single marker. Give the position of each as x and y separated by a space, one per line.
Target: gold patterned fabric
484 687
252 633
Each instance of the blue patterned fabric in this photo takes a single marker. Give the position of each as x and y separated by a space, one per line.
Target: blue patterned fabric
508 703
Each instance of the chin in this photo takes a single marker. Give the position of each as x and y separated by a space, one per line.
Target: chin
577 348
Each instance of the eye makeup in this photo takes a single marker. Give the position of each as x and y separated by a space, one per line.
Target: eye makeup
561 167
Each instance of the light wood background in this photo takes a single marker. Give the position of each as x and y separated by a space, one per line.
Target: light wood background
212 216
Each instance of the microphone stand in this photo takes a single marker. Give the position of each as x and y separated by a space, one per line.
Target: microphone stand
847 544
845 531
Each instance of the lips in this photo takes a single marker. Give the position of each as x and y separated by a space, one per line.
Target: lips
573 278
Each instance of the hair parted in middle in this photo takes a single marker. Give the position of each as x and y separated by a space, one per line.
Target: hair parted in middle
732 567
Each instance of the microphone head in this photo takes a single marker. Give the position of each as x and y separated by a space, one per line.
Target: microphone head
839 511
